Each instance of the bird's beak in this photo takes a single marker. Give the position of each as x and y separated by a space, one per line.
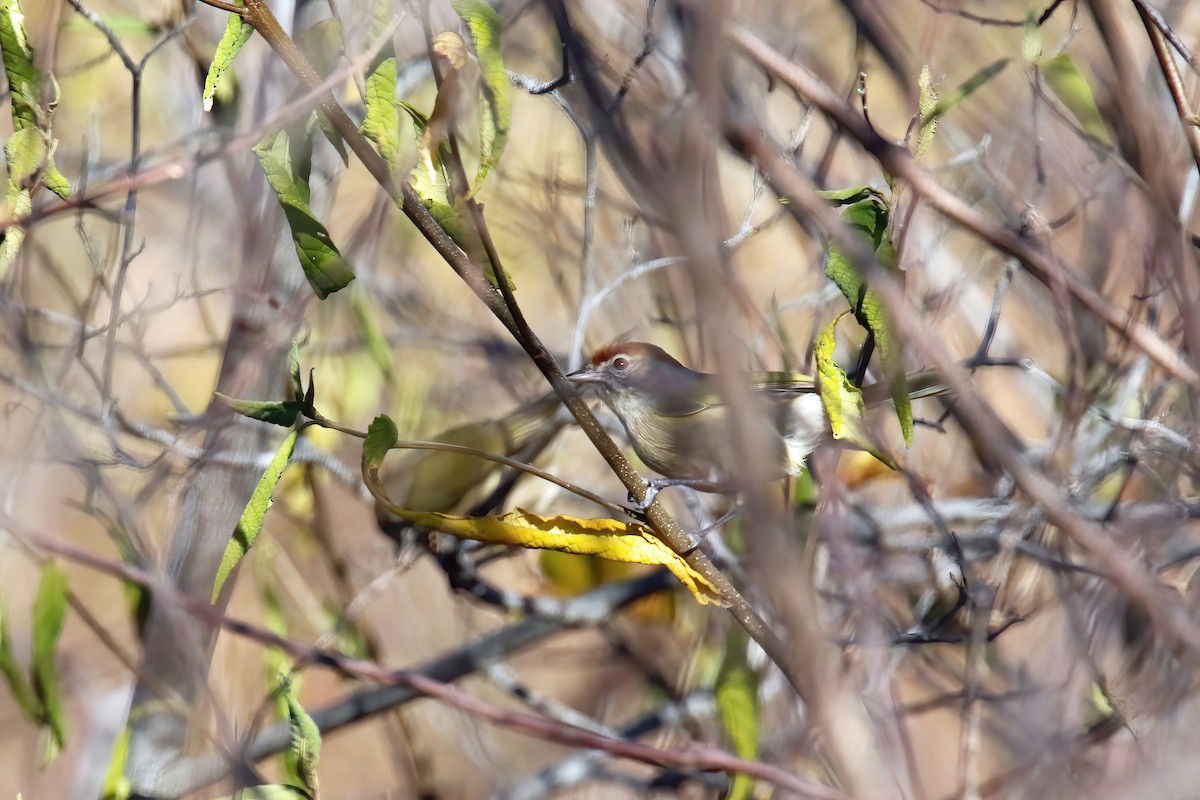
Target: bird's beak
585 376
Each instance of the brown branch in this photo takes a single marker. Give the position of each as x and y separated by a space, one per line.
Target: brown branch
990 434
695 756
221 4
899 162
1166 63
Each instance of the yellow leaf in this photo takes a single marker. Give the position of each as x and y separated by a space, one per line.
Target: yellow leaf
606 538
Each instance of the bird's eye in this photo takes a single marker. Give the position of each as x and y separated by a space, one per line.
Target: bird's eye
620 363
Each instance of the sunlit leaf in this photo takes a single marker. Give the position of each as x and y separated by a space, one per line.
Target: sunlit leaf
116 785
606 538
870 217
29 151
24 78
306 742
255 513
323 264
382 122
237 33
17 205
1031 39
842 399
483 23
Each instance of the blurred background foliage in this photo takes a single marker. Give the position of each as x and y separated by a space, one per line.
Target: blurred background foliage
1018 149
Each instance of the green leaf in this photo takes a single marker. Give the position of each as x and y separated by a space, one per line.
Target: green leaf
55 181
368 327
49 613
484 25
18 203
116 784
382 122
871 218
927 104
842 399
34 151
294 369
237 33
381 435
969 86
854 194
21 690
323 264
306 742
26 153
737 706
276 412
254 515
24 79
1031 38
1069 86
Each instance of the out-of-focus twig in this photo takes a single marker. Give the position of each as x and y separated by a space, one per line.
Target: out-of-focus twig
897 161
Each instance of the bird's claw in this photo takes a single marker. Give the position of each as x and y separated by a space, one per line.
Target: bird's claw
652 490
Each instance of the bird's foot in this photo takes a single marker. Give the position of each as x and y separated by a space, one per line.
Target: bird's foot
656 485
697 538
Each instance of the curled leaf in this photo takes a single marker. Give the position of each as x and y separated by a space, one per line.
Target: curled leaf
870 216
842 399
276 412
607 538
382 122
320 259
306 742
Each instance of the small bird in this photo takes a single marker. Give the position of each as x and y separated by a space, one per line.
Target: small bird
677 422
437 480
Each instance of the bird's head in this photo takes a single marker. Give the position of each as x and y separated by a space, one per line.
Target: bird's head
633 369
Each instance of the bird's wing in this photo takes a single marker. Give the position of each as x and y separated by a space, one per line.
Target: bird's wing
783 382
773 384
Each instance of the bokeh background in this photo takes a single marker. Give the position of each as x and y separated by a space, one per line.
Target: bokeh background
1076 695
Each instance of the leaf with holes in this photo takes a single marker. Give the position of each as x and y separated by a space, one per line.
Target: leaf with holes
237 33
